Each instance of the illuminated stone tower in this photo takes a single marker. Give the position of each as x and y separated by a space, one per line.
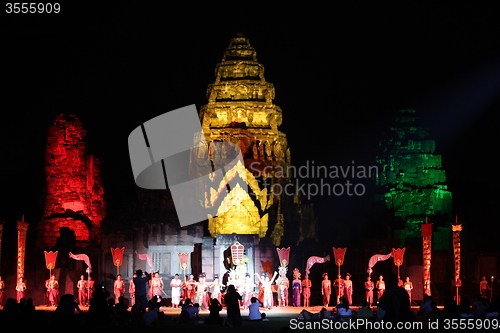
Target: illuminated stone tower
240 110
74 196
414 181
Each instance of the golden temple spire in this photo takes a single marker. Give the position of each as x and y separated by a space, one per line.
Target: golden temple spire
240 110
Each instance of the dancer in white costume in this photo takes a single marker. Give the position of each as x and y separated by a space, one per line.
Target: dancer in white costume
176 290
267 287
215 289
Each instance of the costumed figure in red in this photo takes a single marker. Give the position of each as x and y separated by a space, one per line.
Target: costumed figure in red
380 287
131 290
189 287
20 289
408 285
326 289
339 287
306 290
348 288
81 286
119 288
369 286
52 286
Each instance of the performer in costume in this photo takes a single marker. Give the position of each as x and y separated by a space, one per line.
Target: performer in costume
348 288
215 288
52 286
90 288
2 287
400 282
339 287
201 292
190 287
156 285
20 289
131 290
283 286
119 288
326 289
408 285
484 287
260 295
176 290
380 287
296 287
306 290
248 291
369 285
81 285
267 289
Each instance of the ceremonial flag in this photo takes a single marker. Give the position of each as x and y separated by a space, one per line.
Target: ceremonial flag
183 260
146 257
375 259
267 266
83 257
315 260
50 259
117 256
398 255
339 255
284 256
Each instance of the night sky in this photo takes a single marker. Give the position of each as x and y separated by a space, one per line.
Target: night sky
340 74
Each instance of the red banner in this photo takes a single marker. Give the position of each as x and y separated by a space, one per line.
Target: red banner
398 255
427 229
284 256
375 259
315 260
426 253
183 260
50 259
22 228
146 257
339 255
117 256
267 266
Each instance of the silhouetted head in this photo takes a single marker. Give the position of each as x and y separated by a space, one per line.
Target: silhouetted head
392 280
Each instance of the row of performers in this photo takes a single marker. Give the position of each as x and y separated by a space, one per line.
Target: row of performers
202 291
344 288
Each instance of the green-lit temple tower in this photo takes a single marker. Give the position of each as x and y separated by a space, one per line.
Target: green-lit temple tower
413 181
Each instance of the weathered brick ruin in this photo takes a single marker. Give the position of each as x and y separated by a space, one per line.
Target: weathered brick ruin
74 196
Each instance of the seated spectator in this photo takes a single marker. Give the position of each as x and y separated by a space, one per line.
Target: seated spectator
465 310
151 316
364 311
215 308
344 309
479 307
426 308
253 310
493 309
309 316
189 312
